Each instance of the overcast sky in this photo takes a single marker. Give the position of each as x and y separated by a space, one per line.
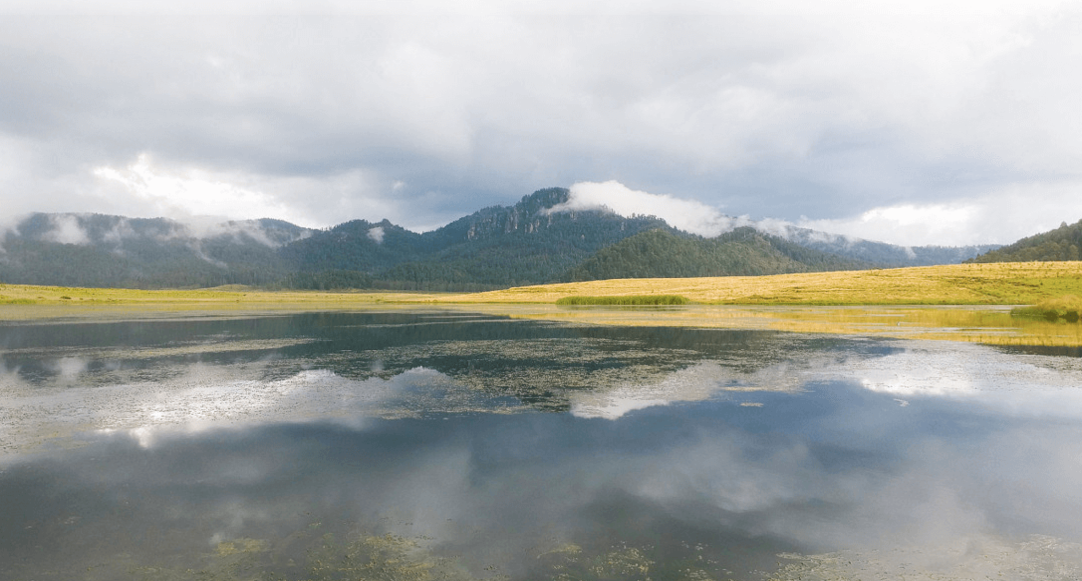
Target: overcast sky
915 122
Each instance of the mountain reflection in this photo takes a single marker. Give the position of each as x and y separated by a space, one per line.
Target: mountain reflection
674 454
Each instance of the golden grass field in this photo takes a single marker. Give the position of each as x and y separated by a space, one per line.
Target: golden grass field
903 302
1009 283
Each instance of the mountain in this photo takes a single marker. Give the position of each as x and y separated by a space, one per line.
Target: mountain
499 246
744 251
495 247
1063 243
878 253
100 250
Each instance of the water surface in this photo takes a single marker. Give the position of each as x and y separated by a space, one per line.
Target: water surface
428 444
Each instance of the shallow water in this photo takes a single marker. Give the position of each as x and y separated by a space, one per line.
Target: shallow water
425 445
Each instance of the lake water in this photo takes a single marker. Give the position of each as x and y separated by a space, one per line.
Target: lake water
449 445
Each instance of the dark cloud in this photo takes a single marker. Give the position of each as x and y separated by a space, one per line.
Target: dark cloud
426 114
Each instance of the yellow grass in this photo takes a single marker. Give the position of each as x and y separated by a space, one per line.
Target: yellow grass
793 302
30 302
1011 283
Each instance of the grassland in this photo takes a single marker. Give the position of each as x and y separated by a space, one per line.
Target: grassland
1018 283
906 302
219 297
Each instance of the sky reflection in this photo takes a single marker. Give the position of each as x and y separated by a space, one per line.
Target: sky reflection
932 452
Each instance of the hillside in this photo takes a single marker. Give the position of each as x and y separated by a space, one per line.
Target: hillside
1063 243
742 252
99 251
496 247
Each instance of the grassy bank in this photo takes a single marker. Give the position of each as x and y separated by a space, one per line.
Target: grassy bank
31 302
1025 283
783 303
1017 283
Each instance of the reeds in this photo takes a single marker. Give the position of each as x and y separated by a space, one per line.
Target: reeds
1065 308
628 300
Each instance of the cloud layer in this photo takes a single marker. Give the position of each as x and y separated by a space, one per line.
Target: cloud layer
845 113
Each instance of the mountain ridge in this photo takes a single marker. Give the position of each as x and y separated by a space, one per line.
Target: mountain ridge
494 247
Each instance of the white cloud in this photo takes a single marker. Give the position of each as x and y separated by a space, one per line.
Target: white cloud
997 217
192 192
1001 216
908 224
376 234
66 230
204 199
687 215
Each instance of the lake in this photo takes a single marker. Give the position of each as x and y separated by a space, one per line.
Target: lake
426 444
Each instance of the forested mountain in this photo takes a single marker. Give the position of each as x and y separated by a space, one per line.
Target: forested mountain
744 251
99 250
878 253
1063 243
499 246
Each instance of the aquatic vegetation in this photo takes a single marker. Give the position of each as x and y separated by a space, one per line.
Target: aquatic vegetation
1066 308
301 556
363 555
622 563
629 300
1039 557
376 557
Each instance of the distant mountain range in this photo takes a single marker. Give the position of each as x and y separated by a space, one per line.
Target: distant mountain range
499 246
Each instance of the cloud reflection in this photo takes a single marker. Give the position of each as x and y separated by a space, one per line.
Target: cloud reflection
402 427
491 488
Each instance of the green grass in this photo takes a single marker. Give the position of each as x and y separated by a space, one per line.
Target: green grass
632 300
1067 308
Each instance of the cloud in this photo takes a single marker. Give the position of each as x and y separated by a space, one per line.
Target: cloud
376 234
241 231
688 215
1002 216
192 192
975 220
66 230
781 109
944 224
698 382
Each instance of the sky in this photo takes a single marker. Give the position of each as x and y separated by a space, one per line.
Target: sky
915 122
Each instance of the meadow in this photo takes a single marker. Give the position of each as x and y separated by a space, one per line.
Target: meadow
966 302
1007 283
